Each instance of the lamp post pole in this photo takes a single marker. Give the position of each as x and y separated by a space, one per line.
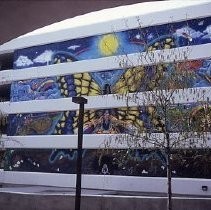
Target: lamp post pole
81 101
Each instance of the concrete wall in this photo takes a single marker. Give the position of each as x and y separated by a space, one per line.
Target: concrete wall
11 201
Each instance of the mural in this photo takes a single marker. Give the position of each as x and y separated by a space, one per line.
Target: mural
185 163
121 81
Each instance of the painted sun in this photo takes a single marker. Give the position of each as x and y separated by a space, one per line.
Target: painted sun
108 44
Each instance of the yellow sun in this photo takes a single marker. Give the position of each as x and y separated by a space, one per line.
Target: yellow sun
108 44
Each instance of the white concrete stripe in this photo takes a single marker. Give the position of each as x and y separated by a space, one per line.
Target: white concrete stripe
188 186
191 95
137 19
106 141
108 63
1 176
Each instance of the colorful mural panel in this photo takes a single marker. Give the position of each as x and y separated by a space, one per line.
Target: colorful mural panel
121 81
185 163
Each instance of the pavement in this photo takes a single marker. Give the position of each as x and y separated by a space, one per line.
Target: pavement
26 197
51 190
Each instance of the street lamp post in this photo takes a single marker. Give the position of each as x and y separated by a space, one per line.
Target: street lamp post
81 101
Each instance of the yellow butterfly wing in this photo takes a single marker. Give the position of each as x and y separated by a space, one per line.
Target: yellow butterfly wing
80 84
138 79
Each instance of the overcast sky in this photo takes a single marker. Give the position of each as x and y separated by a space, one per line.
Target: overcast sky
18 17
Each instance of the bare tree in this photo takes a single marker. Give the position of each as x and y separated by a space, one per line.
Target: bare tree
170 101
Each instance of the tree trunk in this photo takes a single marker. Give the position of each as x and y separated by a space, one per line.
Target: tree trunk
169 204
168 151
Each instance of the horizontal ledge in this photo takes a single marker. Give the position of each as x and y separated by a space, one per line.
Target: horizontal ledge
109 141
119 23
190 95
108 63
185 186
54 141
